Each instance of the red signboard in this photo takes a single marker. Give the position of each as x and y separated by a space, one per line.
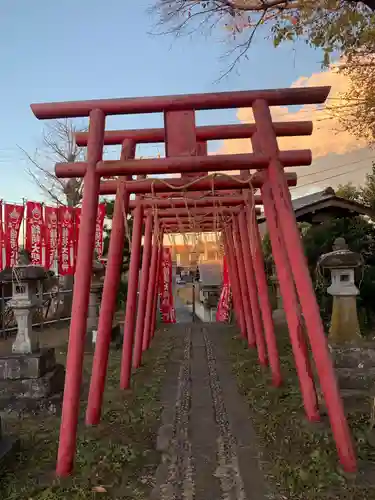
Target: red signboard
1 237
167 309
222 313
66 240
77 222
34 232
13 218
51 215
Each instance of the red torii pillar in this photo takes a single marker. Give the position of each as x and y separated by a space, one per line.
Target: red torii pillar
300 273
110 289
241 229
262 290
152 290
86 241
131 301
156 291
235 283
145 283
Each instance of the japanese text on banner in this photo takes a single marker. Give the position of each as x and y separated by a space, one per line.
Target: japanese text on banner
222 313
51 234
13 218
66 241
34 232
166 296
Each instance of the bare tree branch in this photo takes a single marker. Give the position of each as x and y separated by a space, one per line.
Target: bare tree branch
58 146
331 25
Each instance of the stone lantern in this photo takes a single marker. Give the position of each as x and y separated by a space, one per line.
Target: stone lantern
343 263
97 278
27 372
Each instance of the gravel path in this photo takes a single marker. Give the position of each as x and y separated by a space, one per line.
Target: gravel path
208 446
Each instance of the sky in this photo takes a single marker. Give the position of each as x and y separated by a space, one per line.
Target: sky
56 51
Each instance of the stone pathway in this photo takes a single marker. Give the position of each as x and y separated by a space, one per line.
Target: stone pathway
208 446
183 314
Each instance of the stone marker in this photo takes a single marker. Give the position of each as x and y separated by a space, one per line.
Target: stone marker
97 278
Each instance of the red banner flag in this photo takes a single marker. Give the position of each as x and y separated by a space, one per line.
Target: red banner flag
222 313
13 219
99 230
1 237
166 296
77 222
34 232
66 241
51 234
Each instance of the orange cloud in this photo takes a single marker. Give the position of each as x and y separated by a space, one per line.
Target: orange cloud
328 136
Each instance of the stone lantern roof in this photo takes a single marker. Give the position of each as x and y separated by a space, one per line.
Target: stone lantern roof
340 257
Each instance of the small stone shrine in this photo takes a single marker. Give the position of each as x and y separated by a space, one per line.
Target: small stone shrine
343 263
28 372
97 278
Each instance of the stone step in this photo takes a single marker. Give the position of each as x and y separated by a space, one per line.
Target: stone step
350 356
354 400
357 401
353 378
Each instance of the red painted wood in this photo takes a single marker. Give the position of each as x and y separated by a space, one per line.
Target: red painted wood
152 288
233 238
108 302
262 289
217 184
205 133
218 100
142 296
78 324
305 290
235 283
241 233
198 165
131 300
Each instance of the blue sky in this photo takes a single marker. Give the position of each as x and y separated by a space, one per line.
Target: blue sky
70 50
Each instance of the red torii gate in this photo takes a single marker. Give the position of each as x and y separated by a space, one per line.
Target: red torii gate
187 152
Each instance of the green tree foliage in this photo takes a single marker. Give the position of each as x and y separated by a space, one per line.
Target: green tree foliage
121 297
318 239
356 109
342 26
364 194
348 191
360 237
359 233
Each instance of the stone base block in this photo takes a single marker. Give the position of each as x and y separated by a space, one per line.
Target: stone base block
351 378
50 383
344 320
8 448
27 366
360 355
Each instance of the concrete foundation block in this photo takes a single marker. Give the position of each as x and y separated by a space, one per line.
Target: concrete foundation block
27 366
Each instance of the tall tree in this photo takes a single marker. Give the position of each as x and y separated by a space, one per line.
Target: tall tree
348 191
356 112
58 145
364 194
332 25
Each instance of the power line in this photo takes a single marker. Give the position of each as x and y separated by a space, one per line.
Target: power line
327 178
336 167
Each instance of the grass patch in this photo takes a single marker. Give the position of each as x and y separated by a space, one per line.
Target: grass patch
116 459
300 461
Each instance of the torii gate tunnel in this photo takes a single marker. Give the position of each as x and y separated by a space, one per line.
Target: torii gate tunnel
205 202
